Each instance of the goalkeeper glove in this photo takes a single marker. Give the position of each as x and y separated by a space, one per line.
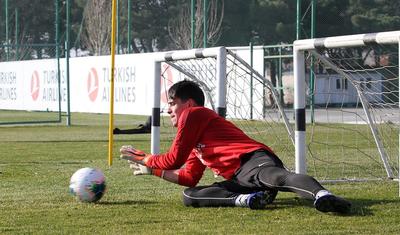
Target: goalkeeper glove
139 169
130 153
142 170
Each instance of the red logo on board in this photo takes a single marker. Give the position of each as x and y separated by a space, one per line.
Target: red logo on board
35 85
93 84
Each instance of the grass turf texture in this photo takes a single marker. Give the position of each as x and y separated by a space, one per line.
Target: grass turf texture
36 163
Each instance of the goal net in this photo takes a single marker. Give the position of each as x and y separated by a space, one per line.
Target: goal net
233 89
31 89
350 86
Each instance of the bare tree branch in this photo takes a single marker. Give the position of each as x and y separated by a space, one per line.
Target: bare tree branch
179 29
97 31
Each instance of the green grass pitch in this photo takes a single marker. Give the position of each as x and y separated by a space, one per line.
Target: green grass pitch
36 163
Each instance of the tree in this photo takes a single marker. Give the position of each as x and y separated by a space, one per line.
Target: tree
236 28
148 25
150 19
179 28
33 28
96 34
274 20
356 16
165 24
374 15
259 21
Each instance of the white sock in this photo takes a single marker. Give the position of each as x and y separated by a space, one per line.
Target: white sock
322 193
241 200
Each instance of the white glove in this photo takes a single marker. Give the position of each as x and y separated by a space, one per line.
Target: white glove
139 169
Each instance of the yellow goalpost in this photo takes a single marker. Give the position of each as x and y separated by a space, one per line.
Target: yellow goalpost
111 115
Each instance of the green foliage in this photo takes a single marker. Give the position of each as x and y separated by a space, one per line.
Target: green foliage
36 163
149 23
259 21
368 16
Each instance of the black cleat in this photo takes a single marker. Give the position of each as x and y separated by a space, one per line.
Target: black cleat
256 201
260 200
332 203
270 195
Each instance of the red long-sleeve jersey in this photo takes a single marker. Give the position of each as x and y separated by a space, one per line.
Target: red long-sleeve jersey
204 139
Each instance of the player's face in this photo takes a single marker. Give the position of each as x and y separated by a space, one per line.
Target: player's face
175 108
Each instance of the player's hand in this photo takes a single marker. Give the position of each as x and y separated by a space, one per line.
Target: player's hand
131 154
139 169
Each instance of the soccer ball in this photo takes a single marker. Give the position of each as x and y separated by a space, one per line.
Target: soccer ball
87 184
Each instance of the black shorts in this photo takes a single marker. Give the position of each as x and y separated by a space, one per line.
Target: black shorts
245 179
247 174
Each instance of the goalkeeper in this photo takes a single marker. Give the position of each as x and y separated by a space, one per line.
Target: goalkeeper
253 173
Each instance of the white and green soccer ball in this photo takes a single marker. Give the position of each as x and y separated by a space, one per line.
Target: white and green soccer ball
88 184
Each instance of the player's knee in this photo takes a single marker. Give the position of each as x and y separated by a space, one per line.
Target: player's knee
274 176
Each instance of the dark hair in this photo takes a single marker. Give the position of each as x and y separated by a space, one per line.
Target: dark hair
185 90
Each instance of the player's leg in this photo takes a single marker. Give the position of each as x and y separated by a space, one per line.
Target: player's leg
303 185
283 180
272 174
226 194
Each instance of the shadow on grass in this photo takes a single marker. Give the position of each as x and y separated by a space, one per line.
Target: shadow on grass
360 207
53 163
127 202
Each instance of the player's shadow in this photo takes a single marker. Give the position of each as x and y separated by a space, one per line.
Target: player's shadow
127 202
360 207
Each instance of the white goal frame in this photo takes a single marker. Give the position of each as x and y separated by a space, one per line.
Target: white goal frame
221 55
311 45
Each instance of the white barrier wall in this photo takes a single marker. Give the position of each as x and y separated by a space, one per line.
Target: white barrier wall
90 84
28 85
33 85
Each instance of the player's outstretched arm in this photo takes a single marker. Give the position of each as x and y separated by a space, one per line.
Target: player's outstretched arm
168 175
188 176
